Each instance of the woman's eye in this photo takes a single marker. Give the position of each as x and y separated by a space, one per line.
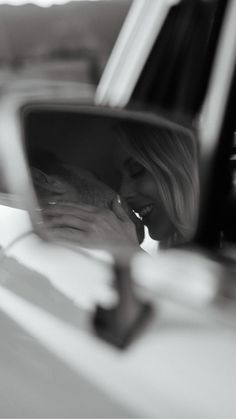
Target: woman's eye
136 170
39 176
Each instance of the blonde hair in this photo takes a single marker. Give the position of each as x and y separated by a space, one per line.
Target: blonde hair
169 153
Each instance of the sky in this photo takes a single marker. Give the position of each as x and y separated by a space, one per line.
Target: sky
43 3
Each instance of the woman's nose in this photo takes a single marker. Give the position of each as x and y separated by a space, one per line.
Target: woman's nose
127 189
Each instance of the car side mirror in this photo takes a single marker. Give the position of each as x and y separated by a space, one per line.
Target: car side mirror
93 156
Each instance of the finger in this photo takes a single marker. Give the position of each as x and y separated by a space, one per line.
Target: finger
68 221
81 205
71 204
118 210
73 211
139 230
69 234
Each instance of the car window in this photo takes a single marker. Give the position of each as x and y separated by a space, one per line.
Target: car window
176 73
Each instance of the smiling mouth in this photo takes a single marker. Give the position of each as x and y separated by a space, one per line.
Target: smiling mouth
145 211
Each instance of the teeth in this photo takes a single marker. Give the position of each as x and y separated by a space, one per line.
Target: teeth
145 211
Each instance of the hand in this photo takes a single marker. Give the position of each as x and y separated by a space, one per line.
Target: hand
137 222
90 226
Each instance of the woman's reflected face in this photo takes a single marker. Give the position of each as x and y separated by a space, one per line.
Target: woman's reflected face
139 188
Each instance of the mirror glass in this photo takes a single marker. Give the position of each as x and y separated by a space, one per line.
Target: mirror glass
113 182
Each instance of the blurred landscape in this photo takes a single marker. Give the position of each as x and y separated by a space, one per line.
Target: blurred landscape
61 42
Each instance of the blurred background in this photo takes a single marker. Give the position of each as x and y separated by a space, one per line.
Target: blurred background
69 41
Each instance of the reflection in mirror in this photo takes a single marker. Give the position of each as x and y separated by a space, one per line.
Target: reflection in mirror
106 183
160 179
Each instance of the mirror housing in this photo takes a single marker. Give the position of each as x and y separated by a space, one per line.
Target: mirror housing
57 124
